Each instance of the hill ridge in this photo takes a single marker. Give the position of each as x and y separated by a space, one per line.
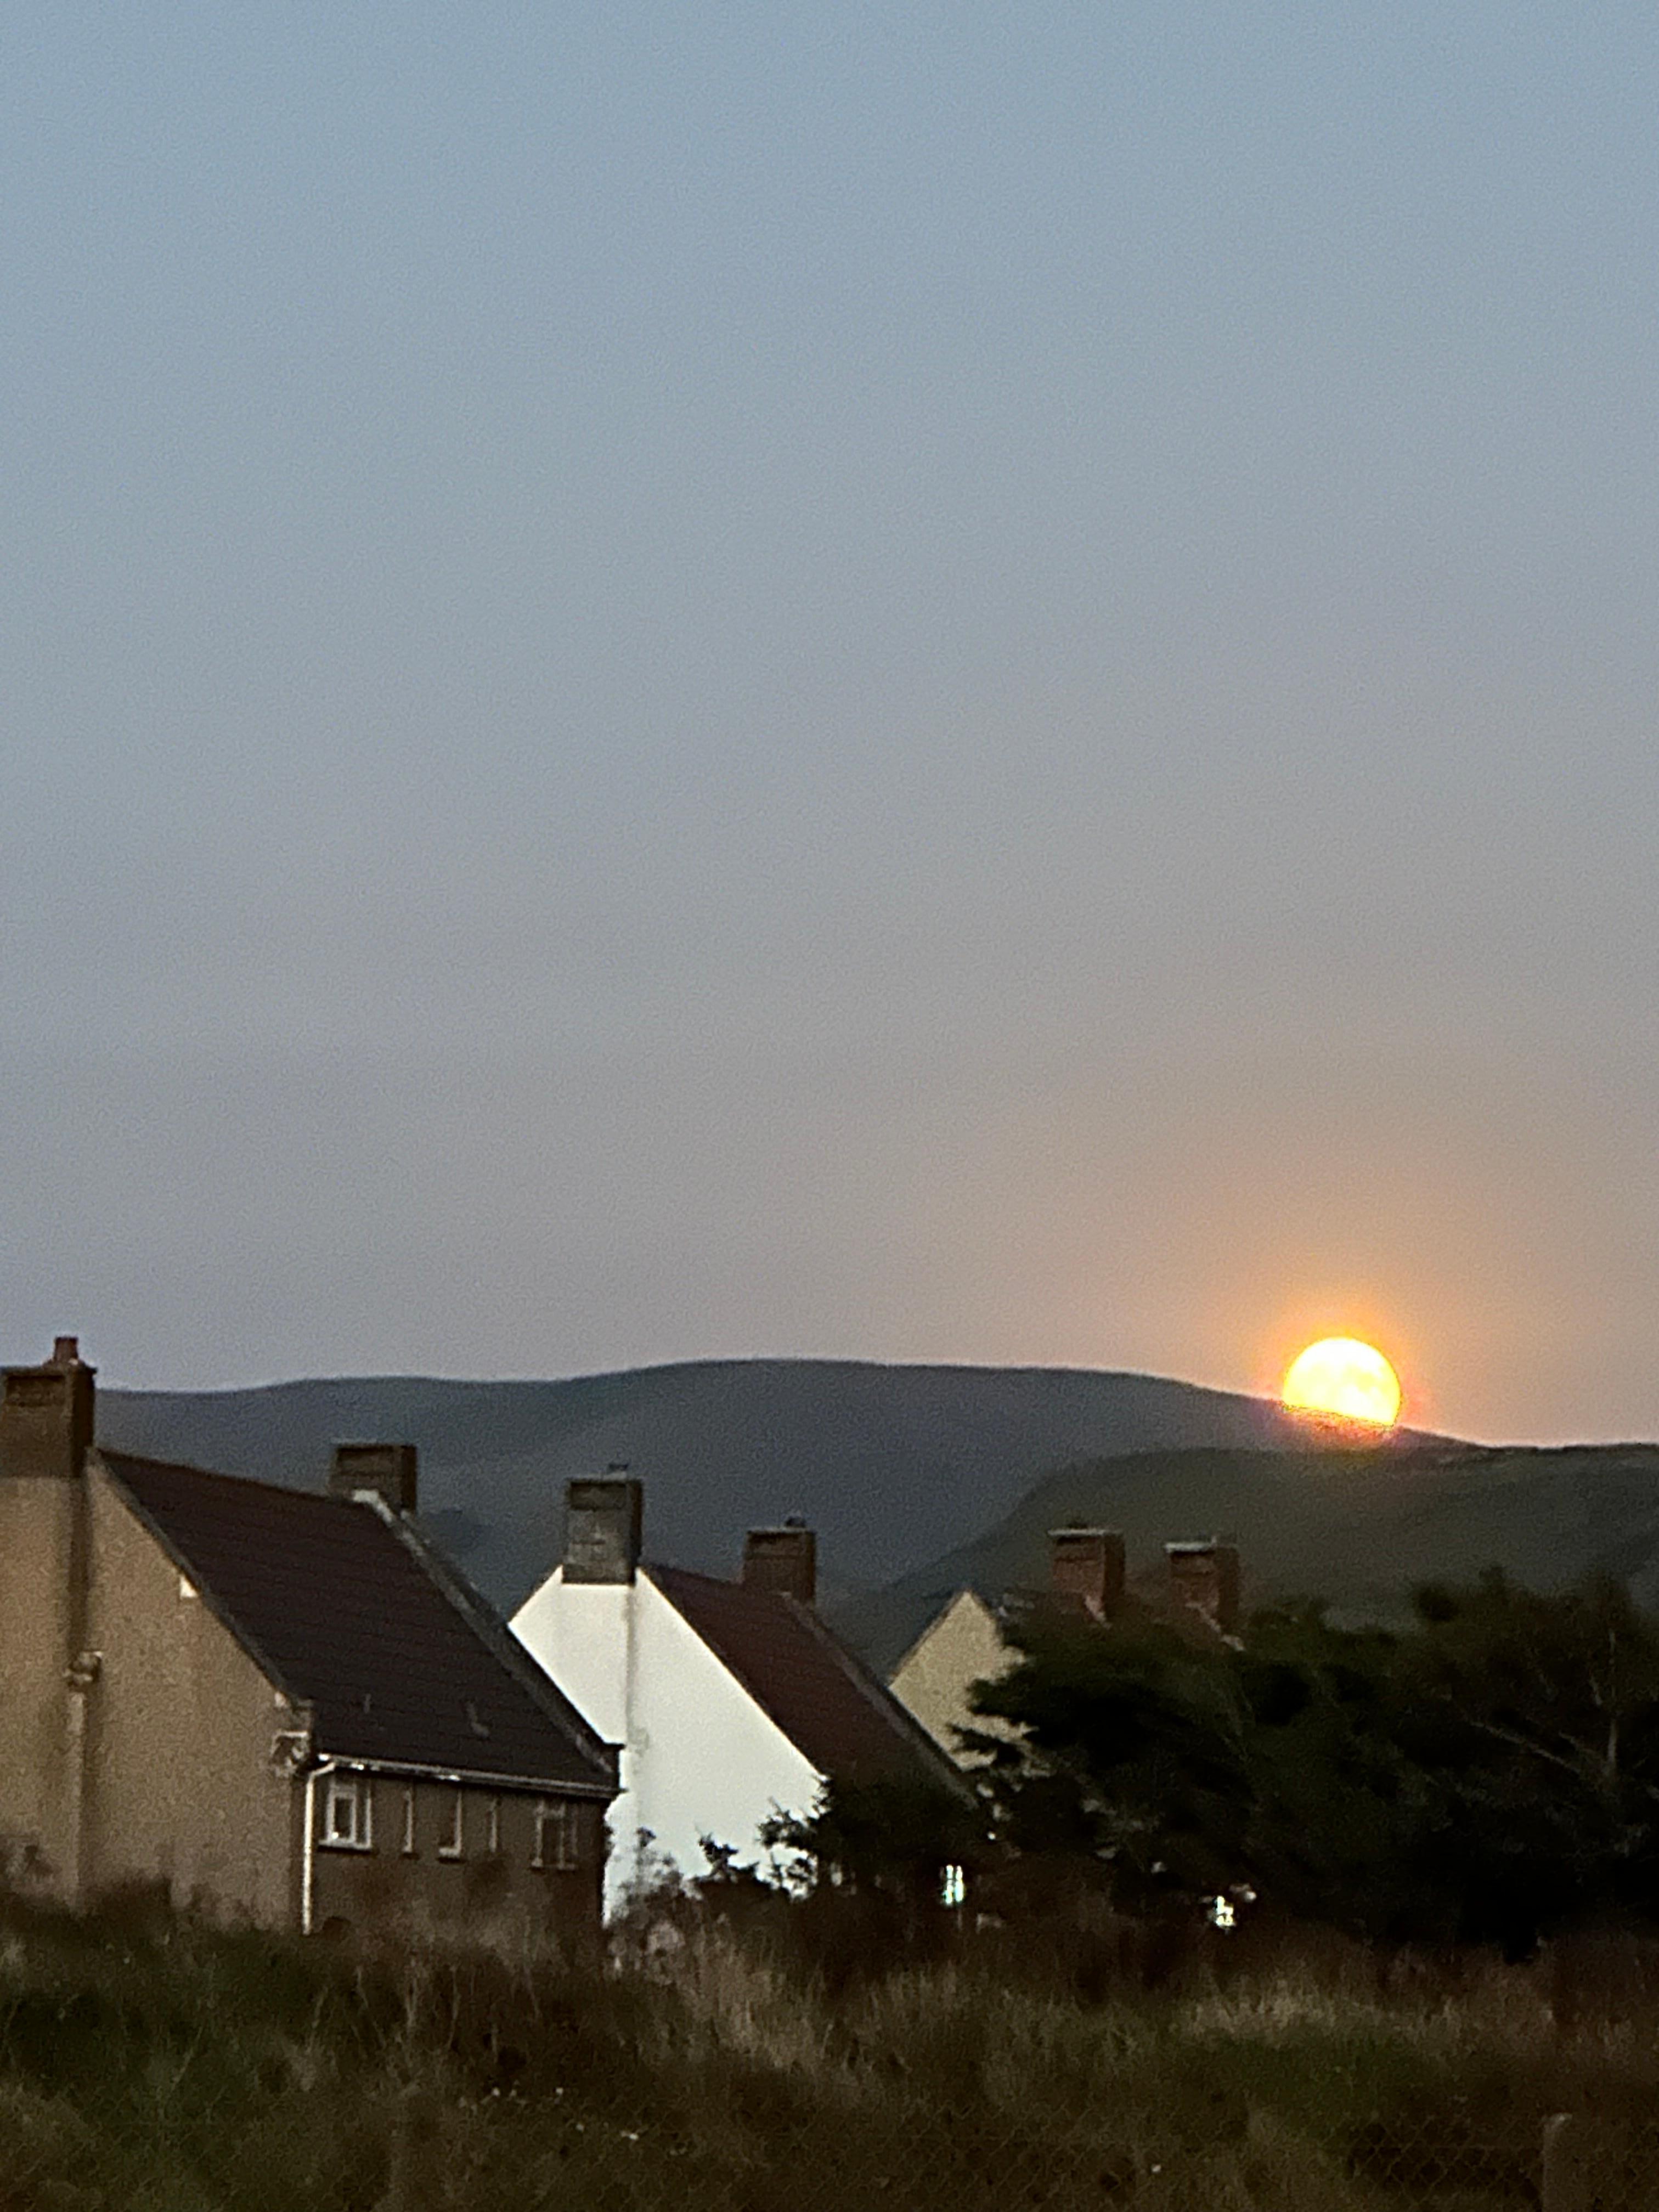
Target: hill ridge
1357 1526
893 1462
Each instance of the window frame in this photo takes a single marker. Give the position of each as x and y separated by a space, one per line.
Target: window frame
455 1846
562 1818
356 1792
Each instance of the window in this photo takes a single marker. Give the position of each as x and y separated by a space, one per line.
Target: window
453 1845
953 1885
558 1836
493 1828
348 1814
409 1821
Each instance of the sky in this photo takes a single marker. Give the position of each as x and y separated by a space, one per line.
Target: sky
915 683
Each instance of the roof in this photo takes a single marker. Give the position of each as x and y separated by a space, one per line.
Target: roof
848 1724
344 1606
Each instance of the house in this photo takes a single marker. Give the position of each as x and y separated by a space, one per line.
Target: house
733 1701
281 1706
962 1643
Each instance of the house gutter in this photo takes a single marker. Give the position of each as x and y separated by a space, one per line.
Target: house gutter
345 1762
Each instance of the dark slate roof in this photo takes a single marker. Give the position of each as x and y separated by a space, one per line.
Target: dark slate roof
828 1704
346 1606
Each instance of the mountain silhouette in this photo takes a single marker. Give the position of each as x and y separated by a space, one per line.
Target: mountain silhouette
894 1466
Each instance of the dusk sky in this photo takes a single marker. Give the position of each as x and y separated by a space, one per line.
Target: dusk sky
940 683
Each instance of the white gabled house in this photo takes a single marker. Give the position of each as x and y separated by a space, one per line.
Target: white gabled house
733 1701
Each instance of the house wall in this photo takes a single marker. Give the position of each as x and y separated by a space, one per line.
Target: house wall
39 1567
961 1647
699 1756
409 1881
181 1788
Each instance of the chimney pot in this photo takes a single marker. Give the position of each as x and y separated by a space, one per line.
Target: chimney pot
785 1560
1086 1565
66 1352
603 1522
392 1471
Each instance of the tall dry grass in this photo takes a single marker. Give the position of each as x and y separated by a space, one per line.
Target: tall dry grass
781 2061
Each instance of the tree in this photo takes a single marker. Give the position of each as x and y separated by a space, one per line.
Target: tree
1488 1773
889 1836
1538 1716
1133 1753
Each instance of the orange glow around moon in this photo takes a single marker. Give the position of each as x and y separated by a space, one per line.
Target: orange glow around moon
1339 1374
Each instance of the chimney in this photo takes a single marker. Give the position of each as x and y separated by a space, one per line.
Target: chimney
602 1525
389 1471
45 1668
1204 1579
46 1414
782 1559
1086 1564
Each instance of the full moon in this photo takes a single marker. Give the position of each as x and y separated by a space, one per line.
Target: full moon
1339 1374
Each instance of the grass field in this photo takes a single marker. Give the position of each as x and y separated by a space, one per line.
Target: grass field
157 2065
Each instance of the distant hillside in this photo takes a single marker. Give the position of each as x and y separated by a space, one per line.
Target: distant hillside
1361 1528
893 1465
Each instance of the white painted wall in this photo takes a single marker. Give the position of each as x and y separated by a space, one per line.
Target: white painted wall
700 1758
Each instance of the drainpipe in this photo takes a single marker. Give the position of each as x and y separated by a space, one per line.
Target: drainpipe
79 1677
308 1847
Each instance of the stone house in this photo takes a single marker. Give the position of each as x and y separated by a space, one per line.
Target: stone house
732 1701
279 1706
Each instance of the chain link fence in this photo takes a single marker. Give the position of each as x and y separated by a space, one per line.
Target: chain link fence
194 2072
426 2153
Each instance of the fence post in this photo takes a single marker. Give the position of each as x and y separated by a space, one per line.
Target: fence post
1587 2165
415 2174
